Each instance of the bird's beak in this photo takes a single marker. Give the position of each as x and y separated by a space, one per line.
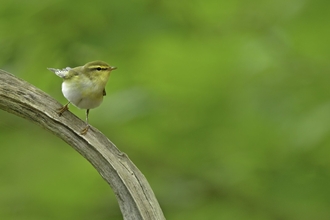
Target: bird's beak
113 67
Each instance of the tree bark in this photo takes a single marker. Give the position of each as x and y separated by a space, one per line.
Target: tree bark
134 194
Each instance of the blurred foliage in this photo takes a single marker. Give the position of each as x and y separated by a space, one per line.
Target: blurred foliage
223 105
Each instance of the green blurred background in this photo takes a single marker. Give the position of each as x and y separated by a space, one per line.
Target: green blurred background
223 105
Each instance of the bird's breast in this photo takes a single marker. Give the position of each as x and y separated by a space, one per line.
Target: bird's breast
86 95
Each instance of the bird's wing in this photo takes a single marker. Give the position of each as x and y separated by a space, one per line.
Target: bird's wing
64 73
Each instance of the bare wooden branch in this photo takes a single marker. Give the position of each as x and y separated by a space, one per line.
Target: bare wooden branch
135 197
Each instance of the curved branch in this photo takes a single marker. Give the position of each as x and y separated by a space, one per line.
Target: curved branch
135 197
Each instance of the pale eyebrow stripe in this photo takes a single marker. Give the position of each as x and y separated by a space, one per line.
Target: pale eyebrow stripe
98 66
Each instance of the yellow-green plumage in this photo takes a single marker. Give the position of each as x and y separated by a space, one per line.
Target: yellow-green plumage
84 86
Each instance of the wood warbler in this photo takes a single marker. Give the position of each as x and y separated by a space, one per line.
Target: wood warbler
84 86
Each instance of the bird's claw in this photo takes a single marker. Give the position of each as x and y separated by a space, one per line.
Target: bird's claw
61 110
84 131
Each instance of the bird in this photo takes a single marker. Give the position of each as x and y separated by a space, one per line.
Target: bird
84 86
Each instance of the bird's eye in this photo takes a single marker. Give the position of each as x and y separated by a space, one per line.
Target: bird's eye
98 68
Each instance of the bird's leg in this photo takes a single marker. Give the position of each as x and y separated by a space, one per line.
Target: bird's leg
84 131
63 109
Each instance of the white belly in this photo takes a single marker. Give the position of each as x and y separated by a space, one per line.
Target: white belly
83 96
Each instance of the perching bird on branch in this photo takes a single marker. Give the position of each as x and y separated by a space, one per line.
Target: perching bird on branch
84 86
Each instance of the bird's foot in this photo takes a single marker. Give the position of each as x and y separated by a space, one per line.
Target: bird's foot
84 131
63 109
